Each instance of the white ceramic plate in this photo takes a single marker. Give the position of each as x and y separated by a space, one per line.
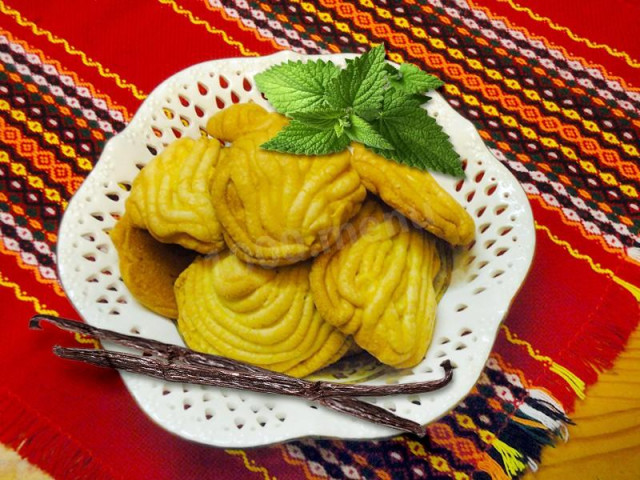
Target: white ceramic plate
485 279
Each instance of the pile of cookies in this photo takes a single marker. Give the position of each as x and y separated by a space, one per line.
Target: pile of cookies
287 261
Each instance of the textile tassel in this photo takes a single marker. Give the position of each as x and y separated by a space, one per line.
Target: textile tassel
34 439
512 459
634 252
602 344
576 384
600 341
550 413
538 421
635 291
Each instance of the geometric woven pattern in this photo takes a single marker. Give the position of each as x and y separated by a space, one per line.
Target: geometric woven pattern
554 93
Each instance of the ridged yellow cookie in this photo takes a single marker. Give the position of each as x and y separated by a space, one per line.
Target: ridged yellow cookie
381 284
240 119
170 196
261 316
415 194
148 267
279 209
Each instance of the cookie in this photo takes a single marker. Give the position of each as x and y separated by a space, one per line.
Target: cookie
381 284
279 209
170 196
149 268
415 194
261 316
239 119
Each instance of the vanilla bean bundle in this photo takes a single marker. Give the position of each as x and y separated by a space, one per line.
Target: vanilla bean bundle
178 364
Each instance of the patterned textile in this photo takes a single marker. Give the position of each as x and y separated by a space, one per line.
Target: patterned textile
554 101
605 436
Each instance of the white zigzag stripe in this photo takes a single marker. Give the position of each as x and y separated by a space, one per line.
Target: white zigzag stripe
581 211
13 245
311 46
73 102
548 63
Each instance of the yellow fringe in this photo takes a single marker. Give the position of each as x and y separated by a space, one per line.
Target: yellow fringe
635 291
512 458
576 384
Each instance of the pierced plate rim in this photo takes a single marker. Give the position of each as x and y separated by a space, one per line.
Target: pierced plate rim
322 423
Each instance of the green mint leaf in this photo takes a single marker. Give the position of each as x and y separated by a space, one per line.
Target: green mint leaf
361 84
297 86
339 127
411 79
391 70
369 101
369 114
324 120
362 131
320 119
417 139
300 138
395 101
421 98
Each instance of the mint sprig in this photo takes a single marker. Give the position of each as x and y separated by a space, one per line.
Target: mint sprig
369 101
305 139
297 86
360 130
411 79
417 139
360 86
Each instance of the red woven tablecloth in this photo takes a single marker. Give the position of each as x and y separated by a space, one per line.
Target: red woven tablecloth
553 88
